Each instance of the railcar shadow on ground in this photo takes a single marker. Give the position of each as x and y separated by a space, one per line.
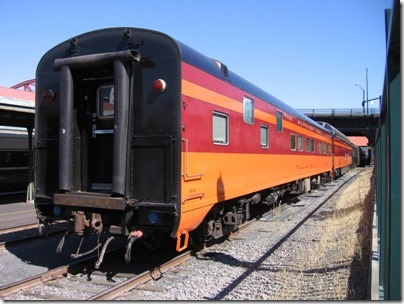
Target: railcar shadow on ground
12 198
42 252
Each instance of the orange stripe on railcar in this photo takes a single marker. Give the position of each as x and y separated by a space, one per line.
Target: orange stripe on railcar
203 94
209 178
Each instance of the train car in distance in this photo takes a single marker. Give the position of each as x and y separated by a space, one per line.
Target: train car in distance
16 114
13 160
140 136
345 154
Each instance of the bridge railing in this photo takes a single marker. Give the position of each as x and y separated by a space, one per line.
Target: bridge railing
340 112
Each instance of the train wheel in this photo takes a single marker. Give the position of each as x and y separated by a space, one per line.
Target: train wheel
198 237
211 227
153 240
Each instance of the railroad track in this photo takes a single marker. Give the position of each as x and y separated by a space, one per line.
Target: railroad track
63 282
52 284
120 289
26 233
286 215
285 211
21 228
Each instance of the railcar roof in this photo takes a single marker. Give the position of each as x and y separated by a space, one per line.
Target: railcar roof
195 58
337 132
208 65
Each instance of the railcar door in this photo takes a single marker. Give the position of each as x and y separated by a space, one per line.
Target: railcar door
102 139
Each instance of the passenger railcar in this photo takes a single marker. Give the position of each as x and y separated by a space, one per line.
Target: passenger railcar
138 134
345 154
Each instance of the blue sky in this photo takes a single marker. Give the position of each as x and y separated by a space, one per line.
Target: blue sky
308 53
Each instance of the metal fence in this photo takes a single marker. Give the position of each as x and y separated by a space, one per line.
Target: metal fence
340 112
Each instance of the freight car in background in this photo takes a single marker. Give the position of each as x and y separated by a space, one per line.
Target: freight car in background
16 130
139 135
14 174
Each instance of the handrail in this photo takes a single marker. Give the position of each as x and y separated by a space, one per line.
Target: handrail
185 174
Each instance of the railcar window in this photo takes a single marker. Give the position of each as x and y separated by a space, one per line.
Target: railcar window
313 146
220 128
248 110
320 147
279 121
308 145
300 143
105 104
15 159
264 136
293 142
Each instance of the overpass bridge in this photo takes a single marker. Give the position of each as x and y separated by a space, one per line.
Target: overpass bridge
351 122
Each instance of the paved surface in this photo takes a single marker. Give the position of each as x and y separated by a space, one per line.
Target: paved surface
374 272
16 214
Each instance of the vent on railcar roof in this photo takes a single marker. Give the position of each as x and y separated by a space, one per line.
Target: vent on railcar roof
222 68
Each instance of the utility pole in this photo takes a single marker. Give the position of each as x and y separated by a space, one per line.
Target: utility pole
367 93
363 97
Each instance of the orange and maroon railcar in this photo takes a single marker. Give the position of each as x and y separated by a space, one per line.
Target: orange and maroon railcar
139 135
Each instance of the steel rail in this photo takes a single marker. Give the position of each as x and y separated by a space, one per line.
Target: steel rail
46 276
16 242
33 281
116 291
18 228
24 228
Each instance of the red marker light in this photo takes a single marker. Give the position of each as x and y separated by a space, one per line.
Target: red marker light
159 85
48 95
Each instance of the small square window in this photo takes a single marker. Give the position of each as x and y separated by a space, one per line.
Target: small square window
248 110
300 143
293 142
105 104
308 145
264 136
220 128
279 121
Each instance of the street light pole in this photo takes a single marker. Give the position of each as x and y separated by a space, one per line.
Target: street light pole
367 93
363 97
